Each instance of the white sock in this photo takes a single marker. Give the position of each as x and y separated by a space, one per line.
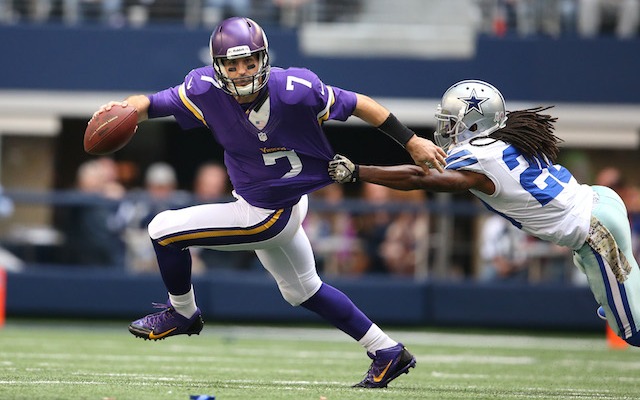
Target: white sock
375 339
185 304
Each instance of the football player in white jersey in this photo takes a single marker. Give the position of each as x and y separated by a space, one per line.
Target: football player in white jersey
507 160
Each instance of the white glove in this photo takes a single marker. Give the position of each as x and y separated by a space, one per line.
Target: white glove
342 170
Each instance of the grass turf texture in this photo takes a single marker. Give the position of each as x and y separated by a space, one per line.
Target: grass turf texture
96 360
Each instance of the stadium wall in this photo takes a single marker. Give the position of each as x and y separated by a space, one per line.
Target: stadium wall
572 69
253 297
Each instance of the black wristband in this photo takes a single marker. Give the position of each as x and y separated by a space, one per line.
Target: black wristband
396 130
356 173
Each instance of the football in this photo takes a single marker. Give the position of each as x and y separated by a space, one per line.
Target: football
110 130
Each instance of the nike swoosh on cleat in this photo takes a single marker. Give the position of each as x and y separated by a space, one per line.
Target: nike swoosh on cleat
378 378
163 334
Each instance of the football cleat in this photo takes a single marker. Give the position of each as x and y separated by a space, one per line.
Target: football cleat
601 313
165 323
387 365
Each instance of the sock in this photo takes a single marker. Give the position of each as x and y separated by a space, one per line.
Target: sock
334 306
175 268
375 339
185 304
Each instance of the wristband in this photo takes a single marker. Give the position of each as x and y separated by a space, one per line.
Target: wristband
396 130
355 176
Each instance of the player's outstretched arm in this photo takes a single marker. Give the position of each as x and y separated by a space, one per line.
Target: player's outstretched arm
424 152
408 177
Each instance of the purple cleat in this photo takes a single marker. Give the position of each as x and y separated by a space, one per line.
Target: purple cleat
166 323
387 365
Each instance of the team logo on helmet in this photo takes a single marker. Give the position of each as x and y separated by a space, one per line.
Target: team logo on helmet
456 121
473 102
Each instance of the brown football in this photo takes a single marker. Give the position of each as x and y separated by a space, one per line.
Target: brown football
110 130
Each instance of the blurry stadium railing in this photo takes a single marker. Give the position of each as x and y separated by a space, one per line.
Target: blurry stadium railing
356 206
26 237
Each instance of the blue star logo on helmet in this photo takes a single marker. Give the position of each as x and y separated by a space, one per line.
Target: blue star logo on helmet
473 102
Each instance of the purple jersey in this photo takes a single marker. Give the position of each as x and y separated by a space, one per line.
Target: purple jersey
273 155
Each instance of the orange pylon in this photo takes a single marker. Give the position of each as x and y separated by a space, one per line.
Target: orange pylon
614 341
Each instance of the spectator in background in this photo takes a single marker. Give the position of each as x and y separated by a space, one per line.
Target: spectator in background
630 195
634 218
73 11
619 17
340 10
503 253
215 11
108 12
211 184
372 225
91 228
528 17
161 190
396 242
332 233
507 254
140 206
8 261
612 177
405 247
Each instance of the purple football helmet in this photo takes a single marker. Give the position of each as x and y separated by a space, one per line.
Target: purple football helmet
235 38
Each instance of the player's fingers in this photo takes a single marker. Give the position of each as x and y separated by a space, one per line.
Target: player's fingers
108 107
426 167
436 163
439 166
112 104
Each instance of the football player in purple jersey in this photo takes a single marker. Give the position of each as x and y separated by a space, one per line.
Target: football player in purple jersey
507 160
269 122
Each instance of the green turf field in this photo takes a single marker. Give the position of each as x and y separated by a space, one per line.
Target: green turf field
95 360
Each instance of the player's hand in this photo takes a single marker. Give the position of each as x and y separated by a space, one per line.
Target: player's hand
426 154
109 106
342 170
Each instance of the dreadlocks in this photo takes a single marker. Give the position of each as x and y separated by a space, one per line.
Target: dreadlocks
531 133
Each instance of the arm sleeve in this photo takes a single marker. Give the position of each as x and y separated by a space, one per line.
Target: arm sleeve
344 104
167 102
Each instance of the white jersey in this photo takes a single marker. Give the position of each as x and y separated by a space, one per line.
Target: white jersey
543 200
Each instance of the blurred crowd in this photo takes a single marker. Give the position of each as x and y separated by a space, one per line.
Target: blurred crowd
109 228
586 18
554 18
192 13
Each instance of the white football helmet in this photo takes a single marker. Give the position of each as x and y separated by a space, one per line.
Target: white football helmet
469 109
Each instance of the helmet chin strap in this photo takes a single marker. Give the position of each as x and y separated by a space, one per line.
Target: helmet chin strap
456 131
244 90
